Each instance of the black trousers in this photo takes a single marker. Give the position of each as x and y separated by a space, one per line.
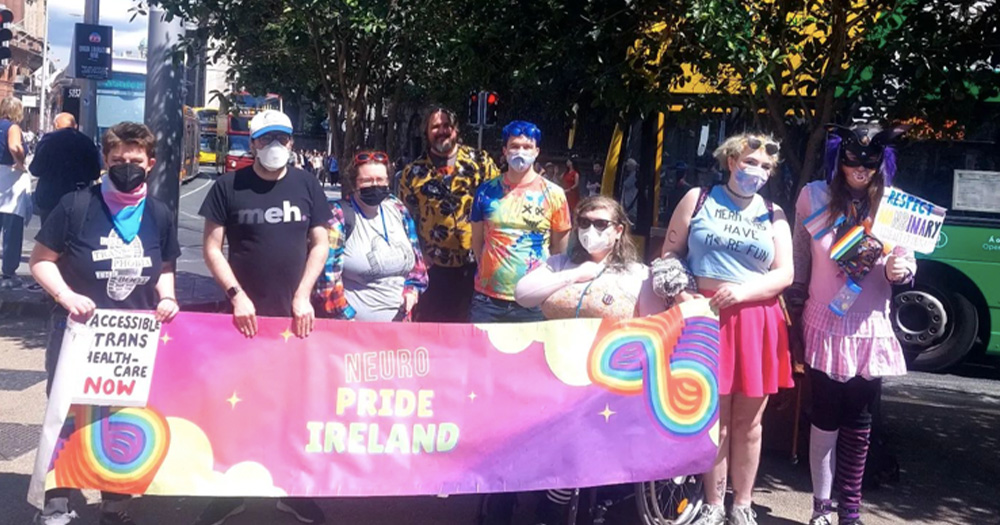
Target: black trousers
448 297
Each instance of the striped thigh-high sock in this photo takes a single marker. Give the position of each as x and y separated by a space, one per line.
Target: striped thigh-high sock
559 496
852 451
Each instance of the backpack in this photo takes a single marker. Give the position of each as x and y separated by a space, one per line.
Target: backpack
350 217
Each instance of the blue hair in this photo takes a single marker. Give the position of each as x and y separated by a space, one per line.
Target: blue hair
521 128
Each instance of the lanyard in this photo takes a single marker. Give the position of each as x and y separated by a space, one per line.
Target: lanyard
586 289
385 231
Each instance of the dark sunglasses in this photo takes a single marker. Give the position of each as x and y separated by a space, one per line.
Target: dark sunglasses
267 138
601 224
772 148
366 157
872 164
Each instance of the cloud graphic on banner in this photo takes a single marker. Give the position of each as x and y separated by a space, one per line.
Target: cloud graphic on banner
566 342
189 468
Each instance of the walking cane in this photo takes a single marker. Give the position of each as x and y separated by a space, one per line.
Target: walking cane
798 390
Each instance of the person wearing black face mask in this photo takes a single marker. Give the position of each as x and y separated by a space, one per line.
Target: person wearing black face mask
106 246
375 271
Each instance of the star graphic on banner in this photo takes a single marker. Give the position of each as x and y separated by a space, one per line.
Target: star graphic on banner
233 399
287 334
472 396
166 338
607 413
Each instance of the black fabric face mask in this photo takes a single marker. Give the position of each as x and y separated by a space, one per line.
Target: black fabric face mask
127 177
373 195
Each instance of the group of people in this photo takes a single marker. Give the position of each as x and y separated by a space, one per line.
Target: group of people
463 242
324 167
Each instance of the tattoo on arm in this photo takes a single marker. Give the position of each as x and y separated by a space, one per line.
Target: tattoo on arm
672 236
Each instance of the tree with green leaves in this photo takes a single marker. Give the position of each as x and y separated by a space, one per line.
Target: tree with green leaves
796 65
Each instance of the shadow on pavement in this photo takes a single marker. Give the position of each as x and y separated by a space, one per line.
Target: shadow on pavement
29 330
946 442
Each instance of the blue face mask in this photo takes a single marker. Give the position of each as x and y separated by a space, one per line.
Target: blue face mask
750 180
520 160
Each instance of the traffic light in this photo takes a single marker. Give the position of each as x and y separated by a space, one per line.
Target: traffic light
492 101
6 18
474 109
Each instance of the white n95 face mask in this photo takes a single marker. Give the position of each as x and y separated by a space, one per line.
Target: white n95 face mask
274 156
595 241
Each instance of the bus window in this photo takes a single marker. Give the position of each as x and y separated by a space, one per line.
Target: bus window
239 144
207 143
239 125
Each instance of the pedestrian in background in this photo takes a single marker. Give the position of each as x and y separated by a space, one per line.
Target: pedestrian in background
15 191
570 182
438 189
106 246
739 248
375 270
65 160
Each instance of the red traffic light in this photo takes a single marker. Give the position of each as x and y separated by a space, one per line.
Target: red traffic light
491 98
6 16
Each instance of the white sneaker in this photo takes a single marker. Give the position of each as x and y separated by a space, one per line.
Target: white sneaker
711 515
55 518
825 519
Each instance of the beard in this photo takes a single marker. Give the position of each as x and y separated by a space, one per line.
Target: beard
443 145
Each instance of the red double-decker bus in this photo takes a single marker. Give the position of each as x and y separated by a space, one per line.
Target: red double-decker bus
234 130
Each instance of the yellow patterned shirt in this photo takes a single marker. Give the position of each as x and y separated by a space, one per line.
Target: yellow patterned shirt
440 200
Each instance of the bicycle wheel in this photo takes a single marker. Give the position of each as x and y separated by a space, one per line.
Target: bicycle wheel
674 501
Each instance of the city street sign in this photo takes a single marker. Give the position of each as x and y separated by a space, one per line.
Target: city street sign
92 52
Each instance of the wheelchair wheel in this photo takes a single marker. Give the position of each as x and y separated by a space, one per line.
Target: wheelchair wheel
674 501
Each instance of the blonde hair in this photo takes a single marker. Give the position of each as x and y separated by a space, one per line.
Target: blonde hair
11 109
734 146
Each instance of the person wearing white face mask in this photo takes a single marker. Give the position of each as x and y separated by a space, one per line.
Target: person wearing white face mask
517 221
600 277
274 217
739 248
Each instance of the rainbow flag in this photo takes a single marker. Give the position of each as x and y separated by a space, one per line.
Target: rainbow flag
848 241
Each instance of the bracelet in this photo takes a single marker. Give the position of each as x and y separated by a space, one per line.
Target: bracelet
171 299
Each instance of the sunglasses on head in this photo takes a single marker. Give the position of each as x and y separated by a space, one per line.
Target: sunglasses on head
772 148
601 224
366 157
872 164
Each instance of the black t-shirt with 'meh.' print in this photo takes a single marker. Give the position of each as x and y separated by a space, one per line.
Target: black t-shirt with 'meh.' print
267 226
99 264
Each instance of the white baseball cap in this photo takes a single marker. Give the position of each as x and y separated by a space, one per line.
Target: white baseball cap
268 121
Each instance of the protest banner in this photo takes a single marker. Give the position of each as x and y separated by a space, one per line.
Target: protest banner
908 221
368 409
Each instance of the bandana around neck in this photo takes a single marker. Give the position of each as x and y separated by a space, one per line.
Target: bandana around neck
126 208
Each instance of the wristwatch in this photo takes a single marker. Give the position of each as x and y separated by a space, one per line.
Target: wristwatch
233 291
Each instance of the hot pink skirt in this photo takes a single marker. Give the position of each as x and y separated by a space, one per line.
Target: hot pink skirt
754 358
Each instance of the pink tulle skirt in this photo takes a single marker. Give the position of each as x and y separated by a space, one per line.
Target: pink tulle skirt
754 358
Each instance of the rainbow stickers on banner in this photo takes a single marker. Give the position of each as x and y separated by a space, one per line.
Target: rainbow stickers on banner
671 360
118 449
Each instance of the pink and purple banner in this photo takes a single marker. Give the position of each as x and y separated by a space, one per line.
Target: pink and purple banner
364 409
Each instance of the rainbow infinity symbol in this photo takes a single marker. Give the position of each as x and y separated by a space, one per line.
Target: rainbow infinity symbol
671 360
116 449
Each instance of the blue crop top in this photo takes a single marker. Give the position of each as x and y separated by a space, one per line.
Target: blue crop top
730 244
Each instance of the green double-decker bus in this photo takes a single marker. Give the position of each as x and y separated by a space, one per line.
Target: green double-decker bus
953 307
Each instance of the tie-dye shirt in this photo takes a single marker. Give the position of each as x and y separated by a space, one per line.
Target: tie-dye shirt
517 226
